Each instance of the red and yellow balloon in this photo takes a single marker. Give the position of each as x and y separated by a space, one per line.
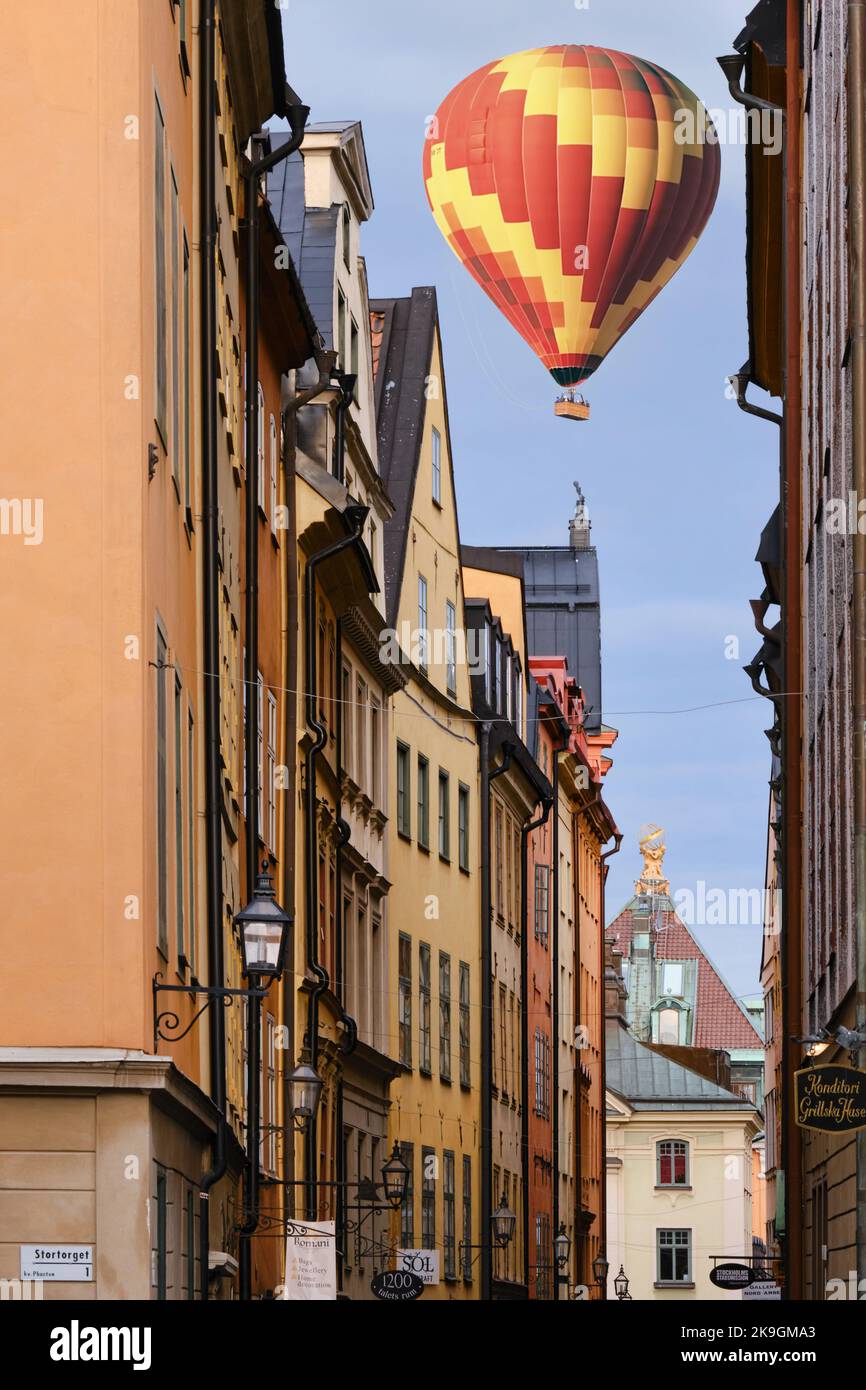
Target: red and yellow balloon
572 182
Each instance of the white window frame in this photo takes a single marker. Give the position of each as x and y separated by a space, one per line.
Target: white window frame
450 647
272 772
423 613
260 749
260 446
437 466
274 473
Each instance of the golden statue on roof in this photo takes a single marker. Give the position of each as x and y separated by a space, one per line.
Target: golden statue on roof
652 848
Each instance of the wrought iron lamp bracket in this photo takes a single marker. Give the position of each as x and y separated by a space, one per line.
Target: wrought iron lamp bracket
167 1025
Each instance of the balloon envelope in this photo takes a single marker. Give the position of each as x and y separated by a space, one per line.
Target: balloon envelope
572 182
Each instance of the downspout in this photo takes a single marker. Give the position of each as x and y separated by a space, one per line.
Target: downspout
357 516
210 590
525 832
603 1035
857 263
297 115
487 777
790 943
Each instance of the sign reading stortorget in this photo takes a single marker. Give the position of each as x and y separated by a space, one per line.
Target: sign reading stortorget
830 1098
396 1286
70 1263
732 1276
311 1263
424 1263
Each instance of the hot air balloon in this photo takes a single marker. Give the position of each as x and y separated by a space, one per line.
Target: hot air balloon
572 182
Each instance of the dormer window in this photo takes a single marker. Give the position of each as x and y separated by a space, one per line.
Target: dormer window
518 695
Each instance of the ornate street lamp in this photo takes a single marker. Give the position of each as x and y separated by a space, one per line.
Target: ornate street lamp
305 1089
562 1246
264 930
395 1178
503 1222
600 1267
620 1283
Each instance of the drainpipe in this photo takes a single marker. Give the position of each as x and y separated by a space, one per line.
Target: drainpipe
487 1006
525 832
357 516
790 944
603 1036
857 263
210 590
297 115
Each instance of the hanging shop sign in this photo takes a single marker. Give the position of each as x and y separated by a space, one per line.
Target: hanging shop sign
732 1276
424 1263
831 1099
311 1263
397 1286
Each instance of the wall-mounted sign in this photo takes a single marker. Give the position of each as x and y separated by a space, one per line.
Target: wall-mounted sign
311 1263
73 1264
831 1099
396 1286
764 1292
424 1263
731 1276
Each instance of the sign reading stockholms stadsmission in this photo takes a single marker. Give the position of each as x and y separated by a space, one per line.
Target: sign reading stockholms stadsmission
831 1099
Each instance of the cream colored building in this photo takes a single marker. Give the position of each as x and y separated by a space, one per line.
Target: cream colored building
679 1168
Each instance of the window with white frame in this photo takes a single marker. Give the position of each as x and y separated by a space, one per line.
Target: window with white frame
260 445
672 1163
674 1256
271 1163
425 1061
274 473
260 750
272 773
451 648
422 622
437 467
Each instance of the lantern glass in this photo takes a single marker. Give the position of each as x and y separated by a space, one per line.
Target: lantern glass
264 930
562 1247
600 1267
395 1178
504 1221
620 1283
306 1090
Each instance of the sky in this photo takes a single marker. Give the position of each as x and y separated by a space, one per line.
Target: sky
678 482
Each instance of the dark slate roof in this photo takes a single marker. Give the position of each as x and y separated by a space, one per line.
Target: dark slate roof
405 352
649 1080
310 234
563 614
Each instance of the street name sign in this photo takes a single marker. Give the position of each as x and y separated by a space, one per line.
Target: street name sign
71 1263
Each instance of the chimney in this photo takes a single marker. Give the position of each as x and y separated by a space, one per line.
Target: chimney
615 993
579 527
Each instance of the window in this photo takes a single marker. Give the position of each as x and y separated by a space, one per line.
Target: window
161 1232
542 1074
672 978
340 342
179 819
404 820
260 446
271 778
449 1234
191 1230
444 1016
375 751
437 467
463 827
503 1042
467 1218
190 804
669 1026
347 230
444 816
423 802
674 1257
187 402
272 428
407 1210
161 796
451 648
497 675
260 752
509 687
500 905
489 661
346 717
182 40
672 1163
465 1036
542 903
422 622
428 1199
518 695
160 285
543 1256
272 1096
405 980
361 733
175 332
354 359
424 1027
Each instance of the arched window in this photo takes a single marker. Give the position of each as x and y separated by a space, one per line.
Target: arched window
669 1025
672 1163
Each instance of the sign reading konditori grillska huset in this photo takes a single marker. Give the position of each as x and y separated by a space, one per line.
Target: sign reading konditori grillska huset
831 1099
